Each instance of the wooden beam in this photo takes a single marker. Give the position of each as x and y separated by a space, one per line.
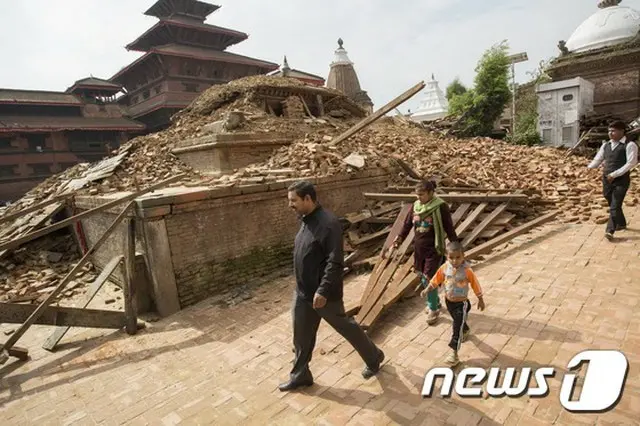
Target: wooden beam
64 223
471 219
361 217
380 220
34 208
459 213
372 237
478 230
507 236
16 313
128 289
379 113
94 288
452 198
43 306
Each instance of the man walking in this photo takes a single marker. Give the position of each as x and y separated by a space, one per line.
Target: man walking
619 156
318 266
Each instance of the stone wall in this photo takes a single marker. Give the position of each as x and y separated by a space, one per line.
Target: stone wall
201 242
227 152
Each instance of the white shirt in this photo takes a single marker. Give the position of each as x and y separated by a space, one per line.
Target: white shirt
632 157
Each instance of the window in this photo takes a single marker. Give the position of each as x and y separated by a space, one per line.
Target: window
7 171
546 136
5 143
41 169
146 94
188 87
567 98
37 142
157 90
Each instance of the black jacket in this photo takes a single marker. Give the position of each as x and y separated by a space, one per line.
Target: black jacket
318 259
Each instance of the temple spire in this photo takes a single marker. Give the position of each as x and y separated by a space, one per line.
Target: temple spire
285 67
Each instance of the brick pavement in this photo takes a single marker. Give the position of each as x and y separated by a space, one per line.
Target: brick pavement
547 299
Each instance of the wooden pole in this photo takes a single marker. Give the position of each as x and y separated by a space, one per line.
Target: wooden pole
129 272
63 223
43 306
379 113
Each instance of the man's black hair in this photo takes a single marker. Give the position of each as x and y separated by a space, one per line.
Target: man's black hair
618 125
304 188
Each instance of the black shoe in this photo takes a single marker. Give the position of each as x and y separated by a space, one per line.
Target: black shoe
609 236
368 372
291 385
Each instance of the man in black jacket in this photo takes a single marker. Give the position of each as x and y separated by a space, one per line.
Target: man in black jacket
619 156
318 266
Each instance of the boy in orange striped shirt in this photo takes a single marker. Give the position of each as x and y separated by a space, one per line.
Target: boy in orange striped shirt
457 277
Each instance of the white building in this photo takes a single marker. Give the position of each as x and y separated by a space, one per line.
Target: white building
434 104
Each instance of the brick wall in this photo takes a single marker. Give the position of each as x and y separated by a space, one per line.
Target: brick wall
223 239
231 241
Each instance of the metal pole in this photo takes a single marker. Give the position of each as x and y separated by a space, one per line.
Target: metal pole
513 102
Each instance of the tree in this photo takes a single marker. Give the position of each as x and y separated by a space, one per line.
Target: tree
479 107
527 108
456 88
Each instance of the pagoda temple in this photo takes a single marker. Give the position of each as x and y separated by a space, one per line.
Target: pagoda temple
434 104
183 57
46 132
605 50
343 77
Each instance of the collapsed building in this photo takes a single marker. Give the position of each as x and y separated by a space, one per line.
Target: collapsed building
222 222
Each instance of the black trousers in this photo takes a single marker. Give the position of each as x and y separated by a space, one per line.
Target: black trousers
614 193
459 312
306 321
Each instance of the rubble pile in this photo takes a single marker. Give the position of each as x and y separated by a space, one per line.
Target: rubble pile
32 272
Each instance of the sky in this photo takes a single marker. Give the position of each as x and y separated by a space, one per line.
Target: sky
49 44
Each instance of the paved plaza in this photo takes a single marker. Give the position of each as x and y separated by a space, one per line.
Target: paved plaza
566 290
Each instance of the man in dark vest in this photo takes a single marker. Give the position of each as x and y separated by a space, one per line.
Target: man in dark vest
619 156
318 265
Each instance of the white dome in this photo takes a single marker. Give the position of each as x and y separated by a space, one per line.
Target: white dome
607 27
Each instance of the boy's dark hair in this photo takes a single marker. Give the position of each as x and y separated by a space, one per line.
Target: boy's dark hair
618 125
304 188
455 247
427 185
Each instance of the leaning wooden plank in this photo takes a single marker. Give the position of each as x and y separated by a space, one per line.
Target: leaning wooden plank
453 198
407 168
390 294
464 226
361 217
373 296
352 308
46 302
371 237
380 220
35 207
95 286
459 213
378 290
397 226
128 290
491 232
16 313
490 245
63 223
473 235
382 263
379 113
